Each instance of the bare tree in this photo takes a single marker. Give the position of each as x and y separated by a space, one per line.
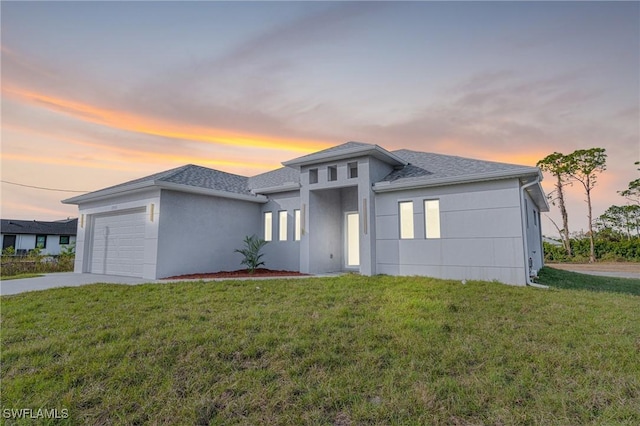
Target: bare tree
556 165
583 165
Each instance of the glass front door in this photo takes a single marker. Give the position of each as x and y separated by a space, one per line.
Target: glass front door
353 240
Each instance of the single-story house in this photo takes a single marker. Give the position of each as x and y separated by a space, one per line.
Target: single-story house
49 237
353 207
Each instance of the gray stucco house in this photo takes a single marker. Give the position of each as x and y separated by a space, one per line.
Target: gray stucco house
354 207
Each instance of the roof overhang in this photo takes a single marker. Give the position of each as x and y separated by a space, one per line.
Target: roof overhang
286 187
347 153
144 186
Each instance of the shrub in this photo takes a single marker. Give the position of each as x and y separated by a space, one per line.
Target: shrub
251 252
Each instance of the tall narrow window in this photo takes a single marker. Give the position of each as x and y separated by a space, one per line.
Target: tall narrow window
282 225
353 170
268 226
313 175
333 173
298 228
406 219
432 218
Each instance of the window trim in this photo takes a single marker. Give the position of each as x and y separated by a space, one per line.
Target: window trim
332 173
68 237
313 176
407 228
44 244
352 170
268 226
427 217
297 225
283 219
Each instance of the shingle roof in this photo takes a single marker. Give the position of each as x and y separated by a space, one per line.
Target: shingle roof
61 227
418 166
275 178
337 148
427 166
203 177
198 176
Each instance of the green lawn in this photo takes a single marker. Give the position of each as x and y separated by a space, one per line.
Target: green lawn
572 280
346 350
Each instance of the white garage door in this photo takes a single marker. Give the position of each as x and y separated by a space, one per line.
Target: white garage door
118 243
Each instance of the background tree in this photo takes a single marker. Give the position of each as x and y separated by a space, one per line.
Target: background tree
632 193
583 165
556 165
621 220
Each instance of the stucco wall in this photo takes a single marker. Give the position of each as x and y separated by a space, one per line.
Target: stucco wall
534 234
481 233
199 233
282 255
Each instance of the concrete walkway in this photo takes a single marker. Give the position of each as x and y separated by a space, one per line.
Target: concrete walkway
63 279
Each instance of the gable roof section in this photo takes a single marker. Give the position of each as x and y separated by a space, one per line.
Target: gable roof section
61 227
437 167
282 179
426 169
188 178
345 151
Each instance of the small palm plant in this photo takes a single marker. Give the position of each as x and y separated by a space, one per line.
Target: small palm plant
251 252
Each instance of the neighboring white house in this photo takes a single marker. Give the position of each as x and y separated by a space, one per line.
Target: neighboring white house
353 207
49 237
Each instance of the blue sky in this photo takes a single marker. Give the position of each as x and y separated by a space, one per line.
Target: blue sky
97 93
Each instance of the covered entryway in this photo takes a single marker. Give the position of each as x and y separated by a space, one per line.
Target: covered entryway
117 243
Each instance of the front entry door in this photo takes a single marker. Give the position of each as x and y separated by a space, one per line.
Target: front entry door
353 240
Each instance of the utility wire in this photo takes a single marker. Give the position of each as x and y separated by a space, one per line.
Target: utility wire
39 187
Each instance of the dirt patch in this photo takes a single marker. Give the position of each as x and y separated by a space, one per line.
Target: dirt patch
627 267
241 273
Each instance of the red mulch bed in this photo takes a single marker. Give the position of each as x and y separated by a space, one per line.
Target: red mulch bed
241 273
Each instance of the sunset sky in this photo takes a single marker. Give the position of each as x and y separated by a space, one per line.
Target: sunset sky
98 93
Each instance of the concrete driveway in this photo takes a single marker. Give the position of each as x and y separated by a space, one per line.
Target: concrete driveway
63 279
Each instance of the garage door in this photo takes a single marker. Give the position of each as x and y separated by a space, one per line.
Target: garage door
118 243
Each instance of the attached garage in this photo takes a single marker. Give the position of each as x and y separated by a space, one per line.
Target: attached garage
117 243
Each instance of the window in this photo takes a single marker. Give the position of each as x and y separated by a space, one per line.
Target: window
41 241
432 218
282 225
535 218
64 239
8 241
268 226
406 219
313 175
353 170
333 173
297 224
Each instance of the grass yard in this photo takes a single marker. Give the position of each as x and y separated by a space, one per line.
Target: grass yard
339 351
572 280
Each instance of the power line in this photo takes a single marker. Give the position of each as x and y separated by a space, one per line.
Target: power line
40 187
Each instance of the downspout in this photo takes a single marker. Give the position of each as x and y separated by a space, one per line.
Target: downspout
527 274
